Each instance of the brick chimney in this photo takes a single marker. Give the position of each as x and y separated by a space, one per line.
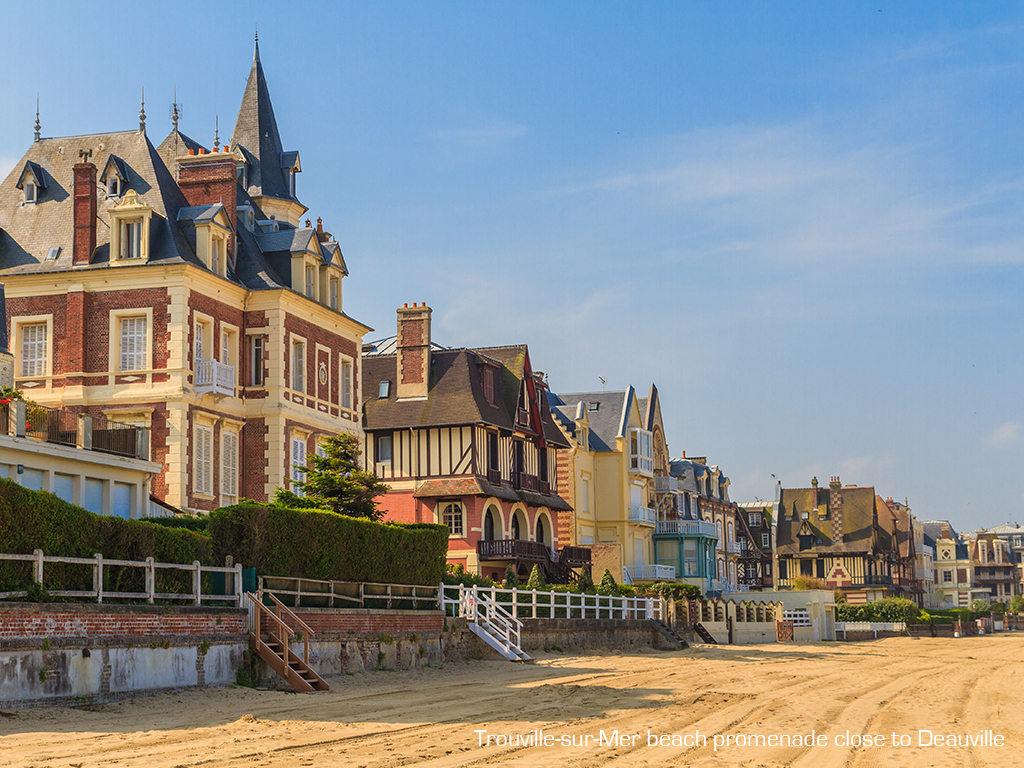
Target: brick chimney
835 508
205 179
84 243
413 344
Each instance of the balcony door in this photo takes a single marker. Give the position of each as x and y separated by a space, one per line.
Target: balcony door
489 524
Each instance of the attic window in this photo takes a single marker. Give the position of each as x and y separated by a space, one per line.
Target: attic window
53 254
30 192
592 406
385 390
113 187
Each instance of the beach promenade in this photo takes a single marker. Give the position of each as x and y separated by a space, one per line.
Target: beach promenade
825 704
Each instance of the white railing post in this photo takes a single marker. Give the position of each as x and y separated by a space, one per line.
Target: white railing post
150 580
238 584
37 574
97 577
197 581
533 604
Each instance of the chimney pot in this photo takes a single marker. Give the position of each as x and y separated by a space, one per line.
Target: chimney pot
405 305
319 224
191 151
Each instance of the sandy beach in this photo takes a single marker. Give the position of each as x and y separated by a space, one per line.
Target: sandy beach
580 711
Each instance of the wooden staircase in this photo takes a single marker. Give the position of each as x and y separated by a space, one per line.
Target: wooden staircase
272 643
703 633
670 634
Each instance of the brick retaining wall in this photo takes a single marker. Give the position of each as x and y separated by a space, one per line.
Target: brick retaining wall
21 621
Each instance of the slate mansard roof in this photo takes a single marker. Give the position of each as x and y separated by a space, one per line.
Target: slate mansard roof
28 231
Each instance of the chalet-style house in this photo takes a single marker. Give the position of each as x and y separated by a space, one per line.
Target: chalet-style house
756 572
175 287
994 566
843 535
464 438
611 477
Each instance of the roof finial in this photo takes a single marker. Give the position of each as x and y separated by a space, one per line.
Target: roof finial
142 112
216 135
38 126
256 51
174 110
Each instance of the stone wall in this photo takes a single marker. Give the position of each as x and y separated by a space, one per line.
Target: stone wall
79 653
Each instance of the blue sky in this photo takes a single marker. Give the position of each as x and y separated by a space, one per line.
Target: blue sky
802 222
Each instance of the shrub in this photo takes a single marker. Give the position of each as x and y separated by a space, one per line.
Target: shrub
197 524
31 520
536 580
511 578
807 582
608 584
317 544
675 591
586 579
894 609
455 573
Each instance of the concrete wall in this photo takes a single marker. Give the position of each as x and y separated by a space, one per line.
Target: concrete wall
77 653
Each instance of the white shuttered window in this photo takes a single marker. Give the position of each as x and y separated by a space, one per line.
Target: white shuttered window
229 466
298 366
298 461
204 460
133 343
33 349
346 384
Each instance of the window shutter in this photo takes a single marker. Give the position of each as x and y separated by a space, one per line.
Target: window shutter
33 349
299 366
225 350
229 464
334 293
199 344
346 385
133 343
204 460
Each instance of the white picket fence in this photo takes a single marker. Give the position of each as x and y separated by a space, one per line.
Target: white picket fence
534 604
98 562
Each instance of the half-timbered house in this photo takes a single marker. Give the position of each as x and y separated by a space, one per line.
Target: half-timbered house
464 438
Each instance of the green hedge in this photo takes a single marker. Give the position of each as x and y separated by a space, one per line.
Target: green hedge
891 609
31 520
317 544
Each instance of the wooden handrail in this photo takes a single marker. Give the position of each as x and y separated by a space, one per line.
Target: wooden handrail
287 610
255 599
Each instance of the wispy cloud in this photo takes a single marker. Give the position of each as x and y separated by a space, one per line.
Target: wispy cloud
494 134
1009 433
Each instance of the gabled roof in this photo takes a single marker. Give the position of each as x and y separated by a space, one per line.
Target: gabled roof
116 166
256 132
455 395
201 214
605 412
861 530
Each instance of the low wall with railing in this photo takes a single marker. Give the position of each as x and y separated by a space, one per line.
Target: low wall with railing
740 622
869 630
78 653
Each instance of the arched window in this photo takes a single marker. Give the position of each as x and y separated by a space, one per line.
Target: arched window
540 529
519 529
451 515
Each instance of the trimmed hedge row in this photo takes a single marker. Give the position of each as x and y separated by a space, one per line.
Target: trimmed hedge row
31 520
317 544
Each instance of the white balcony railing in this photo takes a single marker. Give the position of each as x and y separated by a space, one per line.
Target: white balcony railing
643 515
734 548
666 484
216 377
648 572
687 527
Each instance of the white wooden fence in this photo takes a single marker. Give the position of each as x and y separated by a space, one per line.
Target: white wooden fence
869 626
534 604
97 563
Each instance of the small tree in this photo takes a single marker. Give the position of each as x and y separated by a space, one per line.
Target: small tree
1017 603
608 583
511 578
536 579
336 481
979 606
585 583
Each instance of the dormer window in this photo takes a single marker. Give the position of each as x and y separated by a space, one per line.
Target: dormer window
290 165
129 228
385 390
31 182
131 239
641 454
115 176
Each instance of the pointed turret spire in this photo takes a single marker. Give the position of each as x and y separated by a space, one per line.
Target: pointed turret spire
256 136
38 126
256 50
